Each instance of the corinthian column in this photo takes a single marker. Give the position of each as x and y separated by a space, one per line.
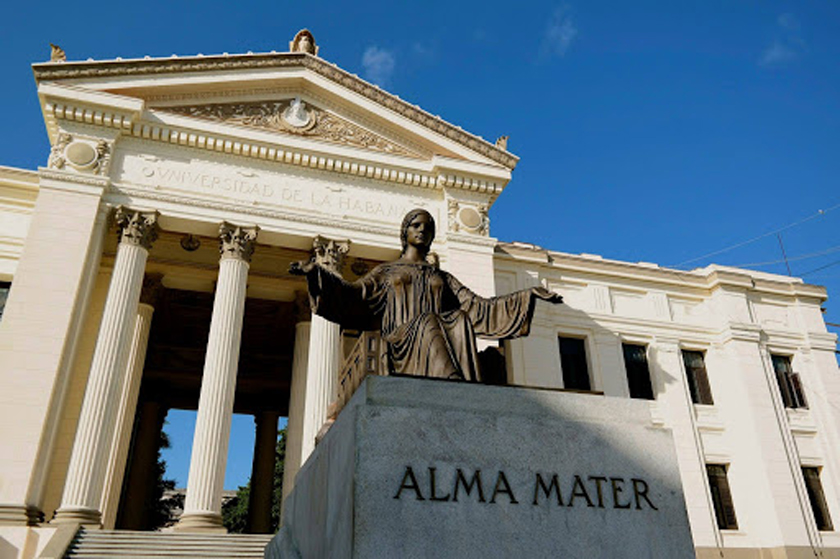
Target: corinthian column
91 449
203 504
324 352
152 287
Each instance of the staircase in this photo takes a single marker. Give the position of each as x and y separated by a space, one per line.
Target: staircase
113 544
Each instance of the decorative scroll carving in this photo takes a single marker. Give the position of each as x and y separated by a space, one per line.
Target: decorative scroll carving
330 253
453 215
237 242
103 158
80 154
57 160
484 226
136 228
296 117
473 219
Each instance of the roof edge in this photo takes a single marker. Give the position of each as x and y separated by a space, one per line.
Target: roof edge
54 71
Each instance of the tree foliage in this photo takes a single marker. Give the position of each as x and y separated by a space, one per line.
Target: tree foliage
161 510
235 511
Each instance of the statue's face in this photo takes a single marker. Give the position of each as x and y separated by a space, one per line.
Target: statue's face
420 232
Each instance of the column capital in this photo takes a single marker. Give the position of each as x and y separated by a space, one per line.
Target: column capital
237 242
135 227
330 253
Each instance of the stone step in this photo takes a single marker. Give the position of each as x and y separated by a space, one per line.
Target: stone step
119 544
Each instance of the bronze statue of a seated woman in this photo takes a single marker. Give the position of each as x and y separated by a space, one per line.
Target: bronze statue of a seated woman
427 318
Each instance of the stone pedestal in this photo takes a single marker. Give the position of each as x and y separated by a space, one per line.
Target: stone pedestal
416 468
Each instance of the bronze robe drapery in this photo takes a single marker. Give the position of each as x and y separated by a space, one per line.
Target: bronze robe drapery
427 318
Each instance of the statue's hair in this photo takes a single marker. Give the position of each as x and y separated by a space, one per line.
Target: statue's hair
411 216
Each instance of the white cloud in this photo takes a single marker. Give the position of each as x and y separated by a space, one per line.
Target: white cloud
788 44
789 22
560 32
378 64
777 53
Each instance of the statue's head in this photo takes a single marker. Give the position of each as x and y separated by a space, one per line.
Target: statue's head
417 215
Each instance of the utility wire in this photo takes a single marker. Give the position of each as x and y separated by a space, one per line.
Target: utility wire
829 265
819 213
790 259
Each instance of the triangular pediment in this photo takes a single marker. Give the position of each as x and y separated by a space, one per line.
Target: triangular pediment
221 80
296 117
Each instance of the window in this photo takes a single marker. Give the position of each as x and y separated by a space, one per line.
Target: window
721 497
4 294
790 385
817 498
638 373
573 363
698 380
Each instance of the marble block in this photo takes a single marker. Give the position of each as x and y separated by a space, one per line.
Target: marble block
418 468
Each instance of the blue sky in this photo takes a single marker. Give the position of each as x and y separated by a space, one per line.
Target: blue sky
647 131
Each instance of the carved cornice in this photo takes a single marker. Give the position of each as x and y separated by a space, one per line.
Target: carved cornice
259 150
272 115
237 242
136 228
330 253
75 70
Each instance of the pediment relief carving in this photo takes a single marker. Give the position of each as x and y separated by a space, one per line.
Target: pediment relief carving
297 117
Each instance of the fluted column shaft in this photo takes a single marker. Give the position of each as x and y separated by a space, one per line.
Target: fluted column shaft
203 503
321 379
324 359
125 415
294 429
262 473
94 434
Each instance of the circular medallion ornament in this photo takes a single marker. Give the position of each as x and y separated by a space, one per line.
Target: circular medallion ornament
296 114
80 154
470 218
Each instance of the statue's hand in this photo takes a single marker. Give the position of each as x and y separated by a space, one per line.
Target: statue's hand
548 296
301 268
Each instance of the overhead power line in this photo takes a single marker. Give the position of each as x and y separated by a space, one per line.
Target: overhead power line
819 213
829 265
790 259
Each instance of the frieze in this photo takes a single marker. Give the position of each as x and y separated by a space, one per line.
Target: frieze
295 117
294 192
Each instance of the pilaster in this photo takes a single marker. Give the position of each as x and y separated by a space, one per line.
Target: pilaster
38 336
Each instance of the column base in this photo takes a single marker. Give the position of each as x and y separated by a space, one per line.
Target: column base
20 515
201 522
89 518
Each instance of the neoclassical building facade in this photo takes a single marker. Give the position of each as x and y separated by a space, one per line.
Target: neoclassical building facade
144 268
